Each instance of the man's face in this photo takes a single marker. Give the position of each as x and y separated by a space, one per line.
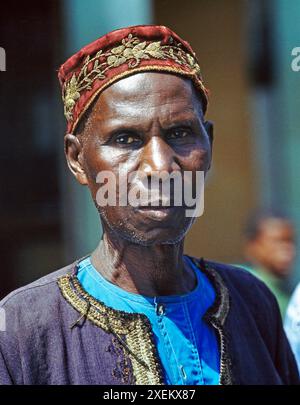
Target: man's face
146 123
274 246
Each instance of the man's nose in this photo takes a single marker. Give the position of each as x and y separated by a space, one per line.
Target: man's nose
158 156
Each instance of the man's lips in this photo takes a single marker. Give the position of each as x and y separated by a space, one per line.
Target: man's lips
155 207
157 213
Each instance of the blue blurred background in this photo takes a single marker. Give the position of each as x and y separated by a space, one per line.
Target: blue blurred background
244 49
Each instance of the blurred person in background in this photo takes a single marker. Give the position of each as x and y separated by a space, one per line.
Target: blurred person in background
292 323
270 251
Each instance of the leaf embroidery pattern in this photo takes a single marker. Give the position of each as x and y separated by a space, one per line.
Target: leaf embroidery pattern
131 51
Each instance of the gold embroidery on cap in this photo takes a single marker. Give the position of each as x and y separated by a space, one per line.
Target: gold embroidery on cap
131 51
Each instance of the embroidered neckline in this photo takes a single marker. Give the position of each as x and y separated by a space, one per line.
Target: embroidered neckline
216 315
147 301
134 330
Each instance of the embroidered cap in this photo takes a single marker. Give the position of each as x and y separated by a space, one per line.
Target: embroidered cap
121 53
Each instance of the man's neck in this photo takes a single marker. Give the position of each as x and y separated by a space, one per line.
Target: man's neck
147 270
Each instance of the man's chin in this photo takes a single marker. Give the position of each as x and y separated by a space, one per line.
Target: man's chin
149 228
154 236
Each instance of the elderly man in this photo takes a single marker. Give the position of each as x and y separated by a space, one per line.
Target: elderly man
136 310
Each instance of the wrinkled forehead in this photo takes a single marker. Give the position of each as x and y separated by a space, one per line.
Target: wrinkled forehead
145 94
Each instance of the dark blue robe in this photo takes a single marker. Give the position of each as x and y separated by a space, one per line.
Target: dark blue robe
56 333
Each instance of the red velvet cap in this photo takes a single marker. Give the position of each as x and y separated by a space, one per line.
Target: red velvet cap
119 54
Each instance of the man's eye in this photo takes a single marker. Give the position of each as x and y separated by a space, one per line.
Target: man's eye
178 134
127 140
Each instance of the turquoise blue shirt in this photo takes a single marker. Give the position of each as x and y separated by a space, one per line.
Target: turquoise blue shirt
187 346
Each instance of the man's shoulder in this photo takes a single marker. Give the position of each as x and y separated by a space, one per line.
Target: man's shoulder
235 274
240 283
248 291
43 290
230 272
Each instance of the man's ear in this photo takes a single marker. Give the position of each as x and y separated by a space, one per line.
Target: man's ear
73 152
209 127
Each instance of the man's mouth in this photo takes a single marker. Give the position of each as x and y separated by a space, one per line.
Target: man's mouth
157 205
157 212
